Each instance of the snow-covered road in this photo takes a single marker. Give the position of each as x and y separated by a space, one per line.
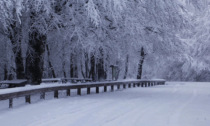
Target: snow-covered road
174 104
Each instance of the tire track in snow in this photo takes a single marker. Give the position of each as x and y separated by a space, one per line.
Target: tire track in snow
174 119
142 112
129 114
74 114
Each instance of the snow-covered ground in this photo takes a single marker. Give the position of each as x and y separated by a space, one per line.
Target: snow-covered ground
174 104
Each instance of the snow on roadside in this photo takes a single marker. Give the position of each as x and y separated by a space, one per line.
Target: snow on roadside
174 104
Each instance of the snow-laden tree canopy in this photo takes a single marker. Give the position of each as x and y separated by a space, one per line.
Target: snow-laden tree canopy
82 38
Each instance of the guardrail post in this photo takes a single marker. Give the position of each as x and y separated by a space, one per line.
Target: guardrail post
63 81
88 90
124 86
112 87
56 94
28 99
142 84
10 103
129 85
134 84
138 84
118 86
105 88
42 95
68 92
97 90
145 84
78 91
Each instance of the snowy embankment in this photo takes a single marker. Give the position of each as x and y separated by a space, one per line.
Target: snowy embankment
174 104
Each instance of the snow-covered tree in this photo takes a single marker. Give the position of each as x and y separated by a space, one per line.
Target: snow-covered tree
82 38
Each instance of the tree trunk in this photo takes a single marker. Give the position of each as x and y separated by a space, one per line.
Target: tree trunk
139 75
100 66
34 59
86 65
63 62
10 75
101 72
15 35
19 65
49 62
73 66
5 72
126 67
63 68
92 67
85 73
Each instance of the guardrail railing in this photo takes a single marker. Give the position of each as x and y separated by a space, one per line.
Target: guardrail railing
25 92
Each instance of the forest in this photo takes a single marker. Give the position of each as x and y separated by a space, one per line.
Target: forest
86 38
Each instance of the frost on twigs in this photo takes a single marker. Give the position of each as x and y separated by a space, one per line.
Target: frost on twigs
41 5
19 7
93 12
113 7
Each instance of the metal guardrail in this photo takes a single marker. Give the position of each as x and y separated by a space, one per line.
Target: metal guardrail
42 90
14 83
23 82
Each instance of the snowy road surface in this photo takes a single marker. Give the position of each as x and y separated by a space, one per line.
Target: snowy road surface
174 104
